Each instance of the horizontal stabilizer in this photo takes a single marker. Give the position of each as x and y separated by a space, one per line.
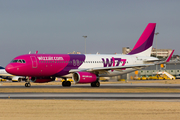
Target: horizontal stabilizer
168 59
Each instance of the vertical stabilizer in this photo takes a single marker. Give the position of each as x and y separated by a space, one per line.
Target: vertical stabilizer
143 46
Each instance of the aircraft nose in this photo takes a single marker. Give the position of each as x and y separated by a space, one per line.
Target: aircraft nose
9 68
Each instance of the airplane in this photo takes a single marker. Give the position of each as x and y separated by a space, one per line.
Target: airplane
5 75
85 68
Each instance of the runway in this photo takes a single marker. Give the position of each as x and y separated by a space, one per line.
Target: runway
93 95
113 96
149 85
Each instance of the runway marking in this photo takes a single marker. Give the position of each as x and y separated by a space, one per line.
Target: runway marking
89 96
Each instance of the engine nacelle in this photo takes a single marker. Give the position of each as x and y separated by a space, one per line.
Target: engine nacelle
84 77
42 79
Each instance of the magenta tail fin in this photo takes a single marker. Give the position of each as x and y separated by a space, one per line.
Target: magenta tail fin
144 44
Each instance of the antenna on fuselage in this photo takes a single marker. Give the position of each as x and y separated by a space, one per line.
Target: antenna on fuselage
36 52
29 52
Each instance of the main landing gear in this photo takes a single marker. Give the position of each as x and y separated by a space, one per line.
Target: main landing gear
66 83
95 84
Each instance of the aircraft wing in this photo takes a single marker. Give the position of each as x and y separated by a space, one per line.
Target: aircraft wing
119 68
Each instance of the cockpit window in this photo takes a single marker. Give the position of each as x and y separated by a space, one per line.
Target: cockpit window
23 61
18 61
14 61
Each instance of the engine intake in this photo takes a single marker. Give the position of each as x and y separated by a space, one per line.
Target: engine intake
84 77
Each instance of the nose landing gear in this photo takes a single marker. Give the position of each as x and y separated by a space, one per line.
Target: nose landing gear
28 84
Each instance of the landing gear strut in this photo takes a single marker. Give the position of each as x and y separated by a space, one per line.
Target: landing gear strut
28 84
95 84
66 83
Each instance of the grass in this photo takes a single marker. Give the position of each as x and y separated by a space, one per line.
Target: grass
88 110
88 90
39 109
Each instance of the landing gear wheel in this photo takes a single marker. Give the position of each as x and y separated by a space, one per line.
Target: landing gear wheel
95 84
63 83
19 79
27 85
66 83
92 84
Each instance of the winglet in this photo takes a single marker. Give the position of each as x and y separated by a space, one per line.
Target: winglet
168 59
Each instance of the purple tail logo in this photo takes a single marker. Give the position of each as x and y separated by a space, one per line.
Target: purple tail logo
113 62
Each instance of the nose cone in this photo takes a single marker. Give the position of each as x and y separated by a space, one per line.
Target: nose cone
10 69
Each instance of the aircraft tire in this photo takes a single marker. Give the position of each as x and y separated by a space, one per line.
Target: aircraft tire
95 84
19 79
63 83
66 83
27 85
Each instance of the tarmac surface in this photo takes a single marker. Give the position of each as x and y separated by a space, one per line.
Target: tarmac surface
112 96
109 96
114 85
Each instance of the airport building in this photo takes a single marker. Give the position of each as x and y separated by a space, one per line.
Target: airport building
161 52
172 67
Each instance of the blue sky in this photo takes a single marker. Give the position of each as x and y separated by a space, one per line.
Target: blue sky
57 26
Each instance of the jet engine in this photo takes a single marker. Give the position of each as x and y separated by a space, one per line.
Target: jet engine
42 79
84 77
